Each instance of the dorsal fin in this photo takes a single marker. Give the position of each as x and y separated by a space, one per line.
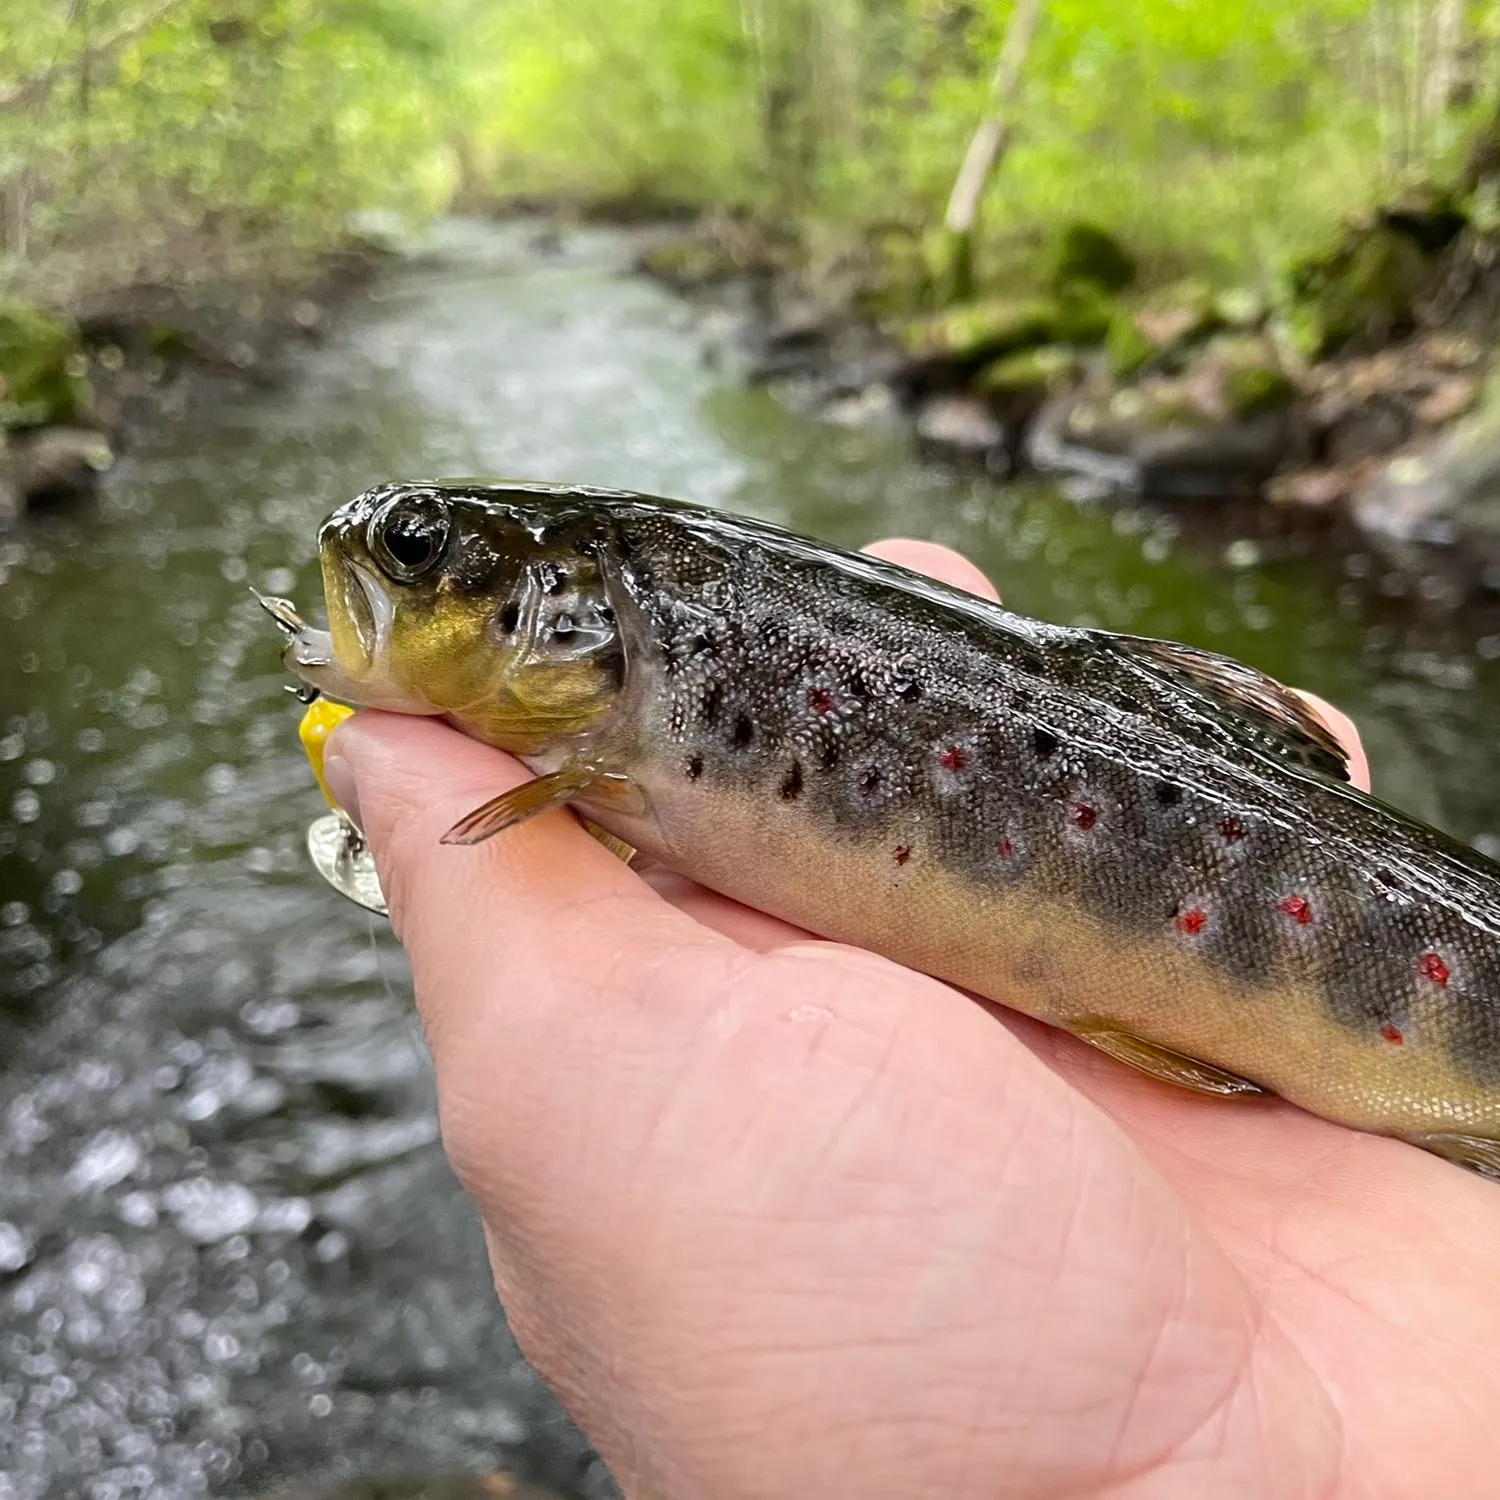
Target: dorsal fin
1275 709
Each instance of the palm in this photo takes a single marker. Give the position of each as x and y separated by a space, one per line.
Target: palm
739 1182
1375 1261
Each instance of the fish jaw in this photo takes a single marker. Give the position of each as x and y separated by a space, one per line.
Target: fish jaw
311 656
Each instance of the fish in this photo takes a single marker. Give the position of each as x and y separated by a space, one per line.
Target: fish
1148 845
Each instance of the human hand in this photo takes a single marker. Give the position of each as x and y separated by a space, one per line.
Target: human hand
777 1217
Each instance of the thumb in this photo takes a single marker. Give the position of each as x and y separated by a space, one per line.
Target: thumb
543 911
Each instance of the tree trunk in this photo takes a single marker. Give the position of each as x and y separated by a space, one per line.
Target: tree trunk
1447 39
987 148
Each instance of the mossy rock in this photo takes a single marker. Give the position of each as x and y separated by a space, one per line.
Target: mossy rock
1250 377
1240 307
1090 256
37 350
1171 318
1030 375
1258 388
1126 348
689 261
1362 296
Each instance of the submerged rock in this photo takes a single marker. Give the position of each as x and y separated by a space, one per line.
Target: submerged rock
58 461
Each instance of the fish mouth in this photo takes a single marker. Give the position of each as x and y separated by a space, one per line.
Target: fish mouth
312 656
370 611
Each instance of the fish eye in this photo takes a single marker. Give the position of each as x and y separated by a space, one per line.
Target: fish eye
407 536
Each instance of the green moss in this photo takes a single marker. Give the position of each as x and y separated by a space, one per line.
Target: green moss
1126 347
980 331
36 350
1258 388
1030 374
1240 307
1362 294
1092 256
690 261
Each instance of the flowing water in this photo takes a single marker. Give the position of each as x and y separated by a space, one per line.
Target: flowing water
231 1255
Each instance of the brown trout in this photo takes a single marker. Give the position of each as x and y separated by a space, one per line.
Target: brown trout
1151 846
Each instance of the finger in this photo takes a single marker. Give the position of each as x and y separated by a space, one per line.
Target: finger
1347 734
936 561
540 918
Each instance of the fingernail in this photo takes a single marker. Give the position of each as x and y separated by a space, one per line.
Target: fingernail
340 777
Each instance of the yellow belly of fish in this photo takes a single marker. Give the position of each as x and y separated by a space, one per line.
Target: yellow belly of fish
1040 954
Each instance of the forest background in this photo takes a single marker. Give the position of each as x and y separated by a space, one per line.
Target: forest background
145 139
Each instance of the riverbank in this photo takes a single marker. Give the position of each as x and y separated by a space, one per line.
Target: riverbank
1356 381
89 364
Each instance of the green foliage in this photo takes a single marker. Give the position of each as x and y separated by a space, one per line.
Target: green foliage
1220 139
37 385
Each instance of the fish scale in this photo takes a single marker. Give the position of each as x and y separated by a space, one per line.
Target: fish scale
1150 846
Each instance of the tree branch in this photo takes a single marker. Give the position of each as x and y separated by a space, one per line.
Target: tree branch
26 92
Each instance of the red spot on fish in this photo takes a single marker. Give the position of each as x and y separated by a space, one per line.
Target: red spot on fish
1393 1035
1430 966
902 854
820 700
1297 908
954 759
1005 848
1083 816
1192 921
1232 829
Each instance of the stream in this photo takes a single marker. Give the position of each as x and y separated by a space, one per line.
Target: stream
232 1257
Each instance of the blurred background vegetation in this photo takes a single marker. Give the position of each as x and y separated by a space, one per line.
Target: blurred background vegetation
140 138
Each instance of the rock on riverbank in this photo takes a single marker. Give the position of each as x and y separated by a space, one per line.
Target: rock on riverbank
79 385
1335 385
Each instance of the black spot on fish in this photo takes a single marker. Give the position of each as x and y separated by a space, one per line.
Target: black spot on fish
907 690
744 732
1044 742
509 617
828 756
791 785
869 778
1168 793
694 767
1131 705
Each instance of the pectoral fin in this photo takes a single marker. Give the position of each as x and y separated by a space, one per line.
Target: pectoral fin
556 789
1162 1063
